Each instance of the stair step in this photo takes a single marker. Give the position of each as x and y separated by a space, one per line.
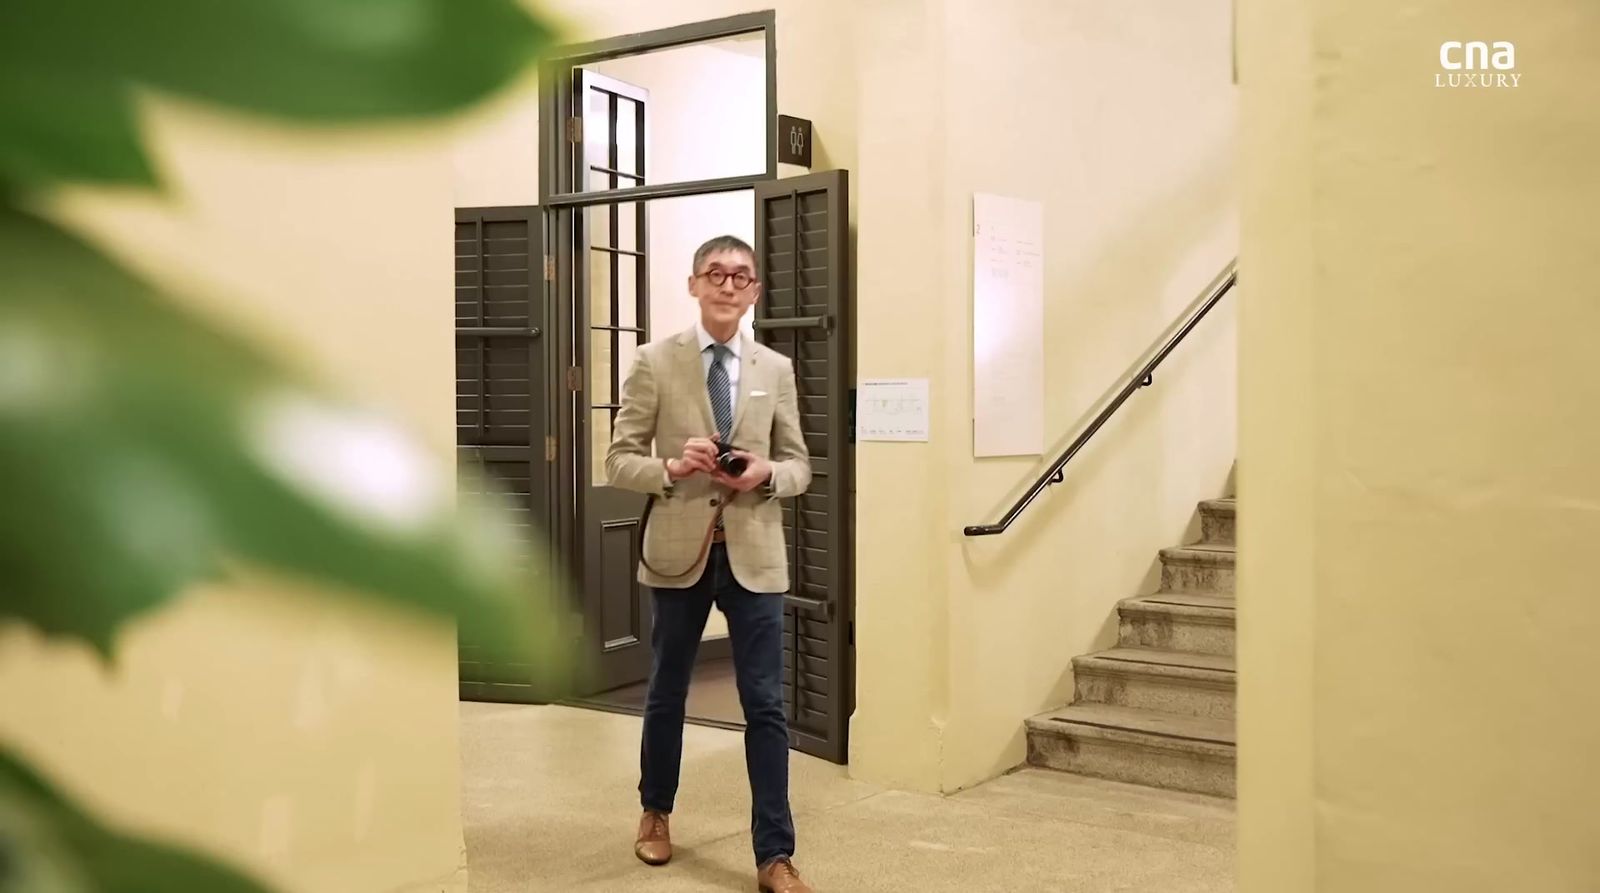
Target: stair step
1220 554
1180 600
1145 722
1175 682
1139 746
1217 520
1169 662
1202 568
1178 622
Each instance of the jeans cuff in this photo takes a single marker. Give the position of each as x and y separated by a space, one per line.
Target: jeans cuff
764 861
655 805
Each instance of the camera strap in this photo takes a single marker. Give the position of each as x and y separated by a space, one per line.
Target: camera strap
705 544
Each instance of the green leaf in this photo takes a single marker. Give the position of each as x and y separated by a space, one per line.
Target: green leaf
331 59
69 67
50 845
141 451
40 143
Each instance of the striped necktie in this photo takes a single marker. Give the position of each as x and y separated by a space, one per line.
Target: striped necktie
717 389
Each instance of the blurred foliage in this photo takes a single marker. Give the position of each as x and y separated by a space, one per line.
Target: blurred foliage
142 450
69 69
52 846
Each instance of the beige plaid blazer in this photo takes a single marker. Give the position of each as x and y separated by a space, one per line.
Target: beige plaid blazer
664 401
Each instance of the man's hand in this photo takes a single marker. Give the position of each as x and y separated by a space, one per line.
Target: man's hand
755 474
699 454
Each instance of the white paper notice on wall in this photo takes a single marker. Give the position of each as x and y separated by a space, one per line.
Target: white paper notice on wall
892 409
1007 326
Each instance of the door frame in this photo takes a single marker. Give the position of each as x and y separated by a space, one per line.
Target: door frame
556 165
560 158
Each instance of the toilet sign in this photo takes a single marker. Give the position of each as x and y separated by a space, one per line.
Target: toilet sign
794 141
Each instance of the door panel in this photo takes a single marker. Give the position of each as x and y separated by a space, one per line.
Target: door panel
500 399
610 300
802 241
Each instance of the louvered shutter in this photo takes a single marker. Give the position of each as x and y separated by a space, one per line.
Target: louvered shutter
500 394
802 241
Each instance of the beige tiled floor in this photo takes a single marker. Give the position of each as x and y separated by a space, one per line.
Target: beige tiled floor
550 804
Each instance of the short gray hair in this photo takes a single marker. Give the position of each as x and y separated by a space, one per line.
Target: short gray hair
724 243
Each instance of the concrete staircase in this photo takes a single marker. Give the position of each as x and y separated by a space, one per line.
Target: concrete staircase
1158 708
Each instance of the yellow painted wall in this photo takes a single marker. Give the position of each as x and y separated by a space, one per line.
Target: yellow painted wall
314 742
1122 122
1277 451
902 490
1122 125
1418 452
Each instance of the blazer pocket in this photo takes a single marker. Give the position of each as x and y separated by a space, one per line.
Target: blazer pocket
756 426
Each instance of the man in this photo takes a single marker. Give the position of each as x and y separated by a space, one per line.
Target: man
715 537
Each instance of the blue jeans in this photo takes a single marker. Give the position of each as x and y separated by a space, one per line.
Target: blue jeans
755 628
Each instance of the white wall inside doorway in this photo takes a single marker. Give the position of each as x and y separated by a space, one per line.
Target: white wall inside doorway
707 113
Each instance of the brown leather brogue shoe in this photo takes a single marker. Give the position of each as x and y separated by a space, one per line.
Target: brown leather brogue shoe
780 876
654 844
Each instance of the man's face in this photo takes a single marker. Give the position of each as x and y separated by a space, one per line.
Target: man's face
725 303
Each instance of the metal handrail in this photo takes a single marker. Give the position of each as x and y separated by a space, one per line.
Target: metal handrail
1142 379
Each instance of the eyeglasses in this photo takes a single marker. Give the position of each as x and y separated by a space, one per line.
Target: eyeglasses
717 276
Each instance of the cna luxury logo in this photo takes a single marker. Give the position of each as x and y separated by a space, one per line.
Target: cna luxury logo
1472 64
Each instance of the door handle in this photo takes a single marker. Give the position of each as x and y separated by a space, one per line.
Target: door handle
827 608
795 322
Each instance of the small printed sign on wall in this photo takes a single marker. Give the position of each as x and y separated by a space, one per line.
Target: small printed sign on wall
893 409
794 141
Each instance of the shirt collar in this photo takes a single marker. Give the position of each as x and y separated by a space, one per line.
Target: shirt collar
734 345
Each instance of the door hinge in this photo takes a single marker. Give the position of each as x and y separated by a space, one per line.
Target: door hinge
549 269
550 448
574 130
574 378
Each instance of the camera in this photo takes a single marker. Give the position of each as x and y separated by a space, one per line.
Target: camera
729 463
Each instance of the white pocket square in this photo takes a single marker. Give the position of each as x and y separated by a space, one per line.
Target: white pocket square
758 393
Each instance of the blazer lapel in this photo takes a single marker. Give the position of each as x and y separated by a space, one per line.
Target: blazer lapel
747 374
693 372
